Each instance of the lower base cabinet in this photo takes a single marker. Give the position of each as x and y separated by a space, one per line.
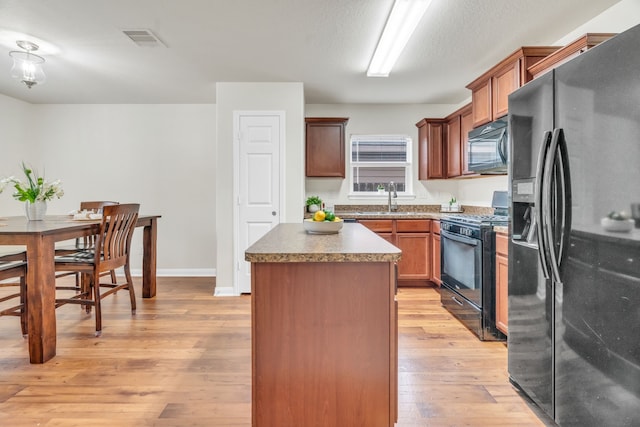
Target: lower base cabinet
414 238
502 282
324 345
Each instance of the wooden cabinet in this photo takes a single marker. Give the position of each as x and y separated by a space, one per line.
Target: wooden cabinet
382 227
503 83
435 252
324 344
481 102
442 145
568 52
502 282
413 237
325 146
490 91
324 329
454 147
456 137
431 149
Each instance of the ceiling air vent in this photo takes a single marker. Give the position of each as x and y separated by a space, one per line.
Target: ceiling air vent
144 38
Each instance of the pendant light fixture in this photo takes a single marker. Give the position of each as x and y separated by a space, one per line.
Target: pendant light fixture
27 66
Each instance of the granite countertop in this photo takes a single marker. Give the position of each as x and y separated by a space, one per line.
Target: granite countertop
403 212
390 215
289 242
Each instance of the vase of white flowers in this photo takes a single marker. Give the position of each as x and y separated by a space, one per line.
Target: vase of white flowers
36 210
35 193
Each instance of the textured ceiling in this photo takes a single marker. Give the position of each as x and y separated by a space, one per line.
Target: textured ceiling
326 44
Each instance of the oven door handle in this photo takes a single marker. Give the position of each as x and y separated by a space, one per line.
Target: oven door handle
459 238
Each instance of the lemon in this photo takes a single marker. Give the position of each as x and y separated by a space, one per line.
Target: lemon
319 216
336 219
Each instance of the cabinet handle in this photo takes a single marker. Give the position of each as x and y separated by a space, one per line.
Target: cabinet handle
457 302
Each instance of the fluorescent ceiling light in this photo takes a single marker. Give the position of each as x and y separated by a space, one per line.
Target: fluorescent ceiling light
402 21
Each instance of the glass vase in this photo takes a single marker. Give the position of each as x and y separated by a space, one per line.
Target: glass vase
36 210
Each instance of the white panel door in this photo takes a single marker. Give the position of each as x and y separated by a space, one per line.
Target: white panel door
258 178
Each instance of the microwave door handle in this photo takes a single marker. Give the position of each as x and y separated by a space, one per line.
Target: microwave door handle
502 146
539 197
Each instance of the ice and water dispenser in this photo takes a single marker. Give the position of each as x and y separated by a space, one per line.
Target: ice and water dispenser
523 215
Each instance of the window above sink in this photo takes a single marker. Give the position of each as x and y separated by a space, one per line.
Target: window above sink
376 160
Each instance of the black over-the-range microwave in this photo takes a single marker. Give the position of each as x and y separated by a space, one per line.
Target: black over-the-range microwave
488 148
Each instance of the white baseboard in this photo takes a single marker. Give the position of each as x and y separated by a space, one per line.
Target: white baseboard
225 291
179 272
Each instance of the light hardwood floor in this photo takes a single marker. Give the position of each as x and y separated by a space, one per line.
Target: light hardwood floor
185 360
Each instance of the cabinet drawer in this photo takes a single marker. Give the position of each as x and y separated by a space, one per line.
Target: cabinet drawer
378 225
502 244
413 225
435 226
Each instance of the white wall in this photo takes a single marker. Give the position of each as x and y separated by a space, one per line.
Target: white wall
619 17
16 144
161 156
230 97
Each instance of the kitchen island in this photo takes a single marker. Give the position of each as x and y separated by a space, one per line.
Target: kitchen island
323 328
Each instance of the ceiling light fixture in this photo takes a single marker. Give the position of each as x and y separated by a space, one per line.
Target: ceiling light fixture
27 66
403 20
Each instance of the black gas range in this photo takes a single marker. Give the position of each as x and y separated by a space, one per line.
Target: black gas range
468 288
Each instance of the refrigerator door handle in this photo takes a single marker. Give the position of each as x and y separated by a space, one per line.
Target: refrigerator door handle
557 157
565 194
539 203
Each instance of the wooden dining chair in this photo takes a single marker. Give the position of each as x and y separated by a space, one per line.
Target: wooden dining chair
87 242
97 206
13 266
111 251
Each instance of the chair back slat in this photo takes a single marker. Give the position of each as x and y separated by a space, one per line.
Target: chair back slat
116 231
87 242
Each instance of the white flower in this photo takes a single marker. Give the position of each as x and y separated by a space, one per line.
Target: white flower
36 189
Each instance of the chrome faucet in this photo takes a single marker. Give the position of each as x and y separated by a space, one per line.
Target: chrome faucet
393 204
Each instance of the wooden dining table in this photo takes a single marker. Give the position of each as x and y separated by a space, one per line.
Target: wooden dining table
40 238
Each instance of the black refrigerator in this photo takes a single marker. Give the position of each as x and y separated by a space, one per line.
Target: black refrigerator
574 258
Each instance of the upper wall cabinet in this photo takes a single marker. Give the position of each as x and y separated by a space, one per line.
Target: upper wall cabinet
490 91
442 145
568 52
456 137
431 150
325 149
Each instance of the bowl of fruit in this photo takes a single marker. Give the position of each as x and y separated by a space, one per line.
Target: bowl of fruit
323 222
617 221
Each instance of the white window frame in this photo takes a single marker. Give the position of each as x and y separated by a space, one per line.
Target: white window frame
408 167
